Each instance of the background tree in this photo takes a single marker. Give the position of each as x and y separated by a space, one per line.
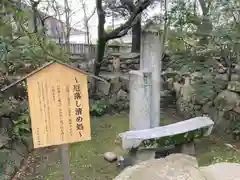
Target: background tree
87 17
67 12
118 32
122 9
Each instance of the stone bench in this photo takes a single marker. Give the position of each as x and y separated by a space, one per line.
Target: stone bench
133 139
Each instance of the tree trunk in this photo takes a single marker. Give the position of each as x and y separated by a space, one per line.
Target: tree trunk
99 55
34 7
205 28
136 36
101 37
98 61
88 34
88 42
35 23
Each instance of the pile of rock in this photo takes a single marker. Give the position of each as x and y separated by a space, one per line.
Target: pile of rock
121 62
114 62
179 166
12 150
207 94
116 90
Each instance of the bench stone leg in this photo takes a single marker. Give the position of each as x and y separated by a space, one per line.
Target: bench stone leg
189 149
133 151
165 151
142 155
145 154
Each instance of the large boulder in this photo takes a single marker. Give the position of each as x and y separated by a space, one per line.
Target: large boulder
235 77
186 99
204 92
221 171
172 167
103 88
226 100
196 76
115 84
179 166
125 82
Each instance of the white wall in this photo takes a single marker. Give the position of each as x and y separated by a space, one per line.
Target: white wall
78 39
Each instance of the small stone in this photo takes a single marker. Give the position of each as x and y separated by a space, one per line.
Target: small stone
103 87
234 86
122 95
222 70
110 156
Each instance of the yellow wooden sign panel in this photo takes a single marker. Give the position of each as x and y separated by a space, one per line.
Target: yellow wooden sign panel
59 107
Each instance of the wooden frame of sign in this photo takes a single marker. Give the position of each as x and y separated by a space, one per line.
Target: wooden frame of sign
59 107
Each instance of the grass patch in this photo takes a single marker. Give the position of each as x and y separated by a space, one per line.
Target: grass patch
210 151
87 157
87 161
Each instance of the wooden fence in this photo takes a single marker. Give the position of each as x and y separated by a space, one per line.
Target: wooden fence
82 50
90 50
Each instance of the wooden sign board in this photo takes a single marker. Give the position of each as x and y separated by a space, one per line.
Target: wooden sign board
59 107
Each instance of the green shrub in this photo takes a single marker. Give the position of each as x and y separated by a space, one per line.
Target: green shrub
21 126
99 107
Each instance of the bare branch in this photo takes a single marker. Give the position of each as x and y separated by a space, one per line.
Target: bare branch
128 24
129 4
91 15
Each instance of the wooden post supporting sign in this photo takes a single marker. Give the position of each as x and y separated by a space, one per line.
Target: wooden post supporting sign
65 162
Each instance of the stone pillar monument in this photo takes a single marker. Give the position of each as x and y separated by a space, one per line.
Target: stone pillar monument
140 100
150 61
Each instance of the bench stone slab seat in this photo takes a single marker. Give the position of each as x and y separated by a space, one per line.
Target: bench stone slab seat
132 139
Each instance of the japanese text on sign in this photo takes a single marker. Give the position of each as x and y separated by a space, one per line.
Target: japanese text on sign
78 108
60 112
69 110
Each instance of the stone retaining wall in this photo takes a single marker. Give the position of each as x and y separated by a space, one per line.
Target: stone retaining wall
208 94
